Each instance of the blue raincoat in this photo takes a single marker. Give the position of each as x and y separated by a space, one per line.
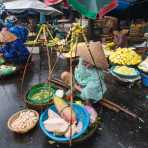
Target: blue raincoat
15 52
20 31
93 87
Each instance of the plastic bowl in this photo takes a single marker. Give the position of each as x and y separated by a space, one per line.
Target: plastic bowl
8 71
144 79
82 116
136 74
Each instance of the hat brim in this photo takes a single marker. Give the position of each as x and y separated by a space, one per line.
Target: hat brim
95 56
6 37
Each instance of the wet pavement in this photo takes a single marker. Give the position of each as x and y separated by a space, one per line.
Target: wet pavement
117 130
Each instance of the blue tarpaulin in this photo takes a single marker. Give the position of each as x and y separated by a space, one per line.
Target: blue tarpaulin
122 5
115 6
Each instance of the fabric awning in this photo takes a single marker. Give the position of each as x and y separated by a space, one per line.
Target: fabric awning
19 6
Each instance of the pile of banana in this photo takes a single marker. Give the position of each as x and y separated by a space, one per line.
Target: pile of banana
125 56
77 29
108 48
68 44
74 36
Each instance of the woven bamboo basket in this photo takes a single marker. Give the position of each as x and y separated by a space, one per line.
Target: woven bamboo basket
16 115
40 106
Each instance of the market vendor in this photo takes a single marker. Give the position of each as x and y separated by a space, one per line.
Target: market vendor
89 77
116 36
13 49
120 38
11 22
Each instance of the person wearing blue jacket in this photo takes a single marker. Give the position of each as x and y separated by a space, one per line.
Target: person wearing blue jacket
20 31
15 52
13 49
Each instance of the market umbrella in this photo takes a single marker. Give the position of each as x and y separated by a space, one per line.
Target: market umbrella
19 6
122 6
90 8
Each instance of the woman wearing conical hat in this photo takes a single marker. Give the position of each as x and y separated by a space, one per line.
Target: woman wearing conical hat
88 75
13 49
21 32
121 38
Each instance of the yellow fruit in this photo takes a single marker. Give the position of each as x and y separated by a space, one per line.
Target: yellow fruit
64 110
124 70
125 56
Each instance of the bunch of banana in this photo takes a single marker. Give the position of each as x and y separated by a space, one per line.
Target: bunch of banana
124 70
55 41
77 29
110 45
33 43
72 39
125 56
108 48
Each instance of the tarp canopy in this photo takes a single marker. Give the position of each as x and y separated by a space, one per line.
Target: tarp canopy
52 2
90 8
122 4
136 9
19 6
115 6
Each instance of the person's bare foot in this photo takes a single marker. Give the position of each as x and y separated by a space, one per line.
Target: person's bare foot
66 77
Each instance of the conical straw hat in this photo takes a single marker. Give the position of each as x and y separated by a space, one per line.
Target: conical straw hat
6 36
97 54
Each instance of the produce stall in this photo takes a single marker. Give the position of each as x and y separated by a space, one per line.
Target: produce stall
124 63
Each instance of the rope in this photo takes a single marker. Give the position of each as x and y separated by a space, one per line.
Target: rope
71 91
88 47
25 69
43 30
